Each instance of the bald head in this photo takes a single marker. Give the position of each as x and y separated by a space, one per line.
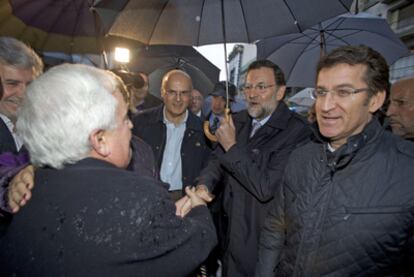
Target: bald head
176 93
401 109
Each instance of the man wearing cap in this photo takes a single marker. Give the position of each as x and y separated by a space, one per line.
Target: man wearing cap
247 168
218 103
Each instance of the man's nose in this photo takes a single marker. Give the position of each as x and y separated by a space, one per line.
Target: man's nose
390 110
327 102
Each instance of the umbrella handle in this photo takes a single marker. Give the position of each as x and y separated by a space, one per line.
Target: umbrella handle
206 126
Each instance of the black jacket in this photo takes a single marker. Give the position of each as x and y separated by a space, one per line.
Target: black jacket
93 219
346 213
150 126
6 139
248 175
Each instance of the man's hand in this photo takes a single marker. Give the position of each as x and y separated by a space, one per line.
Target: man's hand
20 188
226 133
185 204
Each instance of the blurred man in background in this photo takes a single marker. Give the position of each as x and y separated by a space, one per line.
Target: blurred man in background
400 111
196 103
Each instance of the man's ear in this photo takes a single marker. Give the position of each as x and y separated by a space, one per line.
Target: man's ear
98 142
280 93
376 101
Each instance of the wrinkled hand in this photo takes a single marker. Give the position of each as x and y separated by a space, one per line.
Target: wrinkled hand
226 133
191 200
179 205
20 188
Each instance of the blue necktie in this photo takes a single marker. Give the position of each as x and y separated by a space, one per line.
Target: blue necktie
256 126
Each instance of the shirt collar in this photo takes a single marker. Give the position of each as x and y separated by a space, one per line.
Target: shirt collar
8 122
261 122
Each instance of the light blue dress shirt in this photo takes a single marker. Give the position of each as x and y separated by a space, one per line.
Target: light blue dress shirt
171 169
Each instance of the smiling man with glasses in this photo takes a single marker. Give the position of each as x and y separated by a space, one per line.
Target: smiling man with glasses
247 169
346 206
174 134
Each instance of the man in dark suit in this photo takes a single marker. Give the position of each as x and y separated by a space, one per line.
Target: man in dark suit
247 169
88 215
218 103
196 104
175 134
19 65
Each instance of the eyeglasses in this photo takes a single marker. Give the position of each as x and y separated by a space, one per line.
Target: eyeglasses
174 93
260 87
341 92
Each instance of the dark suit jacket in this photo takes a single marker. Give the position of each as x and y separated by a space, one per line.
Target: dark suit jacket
150 127
248 175
93 219
6 139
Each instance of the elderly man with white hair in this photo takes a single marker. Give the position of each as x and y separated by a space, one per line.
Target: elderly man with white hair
88 216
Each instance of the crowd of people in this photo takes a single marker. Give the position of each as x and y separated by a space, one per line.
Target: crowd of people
100 178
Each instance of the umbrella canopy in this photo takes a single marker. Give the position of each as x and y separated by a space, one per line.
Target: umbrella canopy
200 80
298 54
69 26
161 58
200 22
50 25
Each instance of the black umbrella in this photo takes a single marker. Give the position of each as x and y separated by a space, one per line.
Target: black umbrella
156 60
200 22
297 54
68 26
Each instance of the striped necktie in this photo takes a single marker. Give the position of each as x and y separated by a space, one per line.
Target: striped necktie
255 126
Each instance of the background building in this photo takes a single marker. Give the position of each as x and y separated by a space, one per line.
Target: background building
400 16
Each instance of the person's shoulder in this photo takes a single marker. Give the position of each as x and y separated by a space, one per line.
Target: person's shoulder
405 147
241 116
148 116
299 119
194 122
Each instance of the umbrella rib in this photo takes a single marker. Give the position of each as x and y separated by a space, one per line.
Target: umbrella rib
77 9
201 20
356 31
293 16
155 25
244 20
343 5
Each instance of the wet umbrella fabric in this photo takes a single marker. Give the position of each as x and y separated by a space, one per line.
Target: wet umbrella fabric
68 26
156 60
197 22
297 54
200 80
49 25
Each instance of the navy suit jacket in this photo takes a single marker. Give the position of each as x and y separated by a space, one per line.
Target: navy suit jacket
6 139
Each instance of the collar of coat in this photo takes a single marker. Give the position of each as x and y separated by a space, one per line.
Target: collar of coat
193 122
278 120
344 154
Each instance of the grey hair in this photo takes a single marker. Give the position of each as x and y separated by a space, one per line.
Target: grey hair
15 53
62 109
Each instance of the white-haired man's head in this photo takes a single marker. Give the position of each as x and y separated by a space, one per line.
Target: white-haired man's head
72 112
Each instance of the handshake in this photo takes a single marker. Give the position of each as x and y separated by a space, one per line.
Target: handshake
196 196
